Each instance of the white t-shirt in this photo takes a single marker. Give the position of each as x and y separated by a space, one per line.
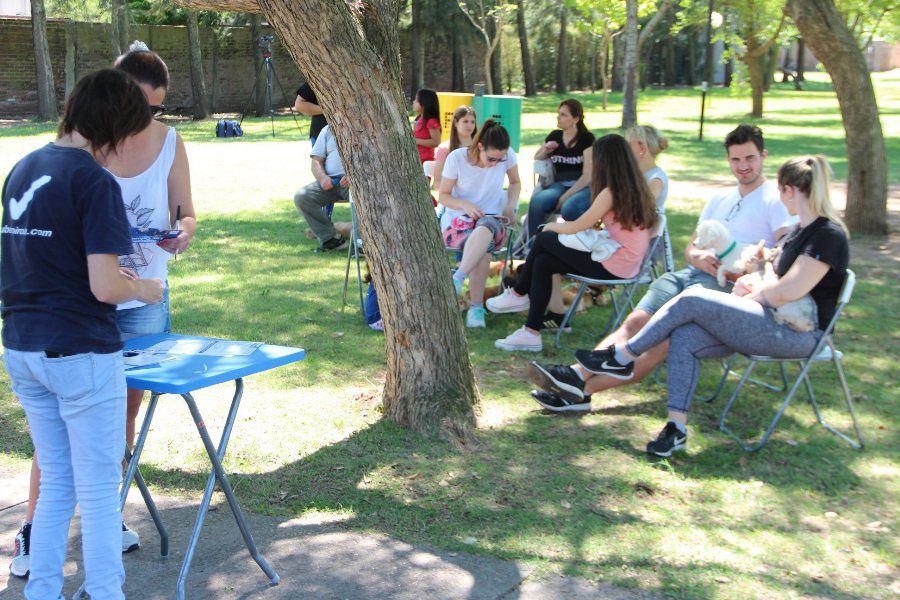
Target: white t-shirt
146 198
758 217
326 147
482 186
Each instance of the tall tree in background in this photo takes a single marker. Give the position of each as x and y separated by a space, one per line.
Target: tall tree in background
47 109
604 20
416 49
634 40
562 55
198 83
833 43
118 26
487 18
527 68
259 84
430 384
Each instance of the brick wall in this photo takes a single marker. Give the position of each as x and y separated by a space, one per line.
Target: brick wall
79 48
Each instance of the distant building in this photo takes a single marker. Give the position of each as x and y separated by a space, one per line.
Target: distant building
15 8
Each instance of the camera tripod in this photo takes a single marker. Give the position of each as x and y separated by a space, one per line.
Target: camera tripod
265 44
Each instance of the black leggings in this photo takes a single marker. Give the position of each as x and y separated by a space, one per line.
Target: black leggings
547 258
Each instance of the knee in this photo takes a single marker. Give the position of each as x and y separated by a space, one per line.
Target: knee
634 322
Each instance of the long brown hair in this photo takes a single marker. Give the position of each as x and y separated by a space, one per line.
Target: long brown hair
459 113
615 168
577 111
492 135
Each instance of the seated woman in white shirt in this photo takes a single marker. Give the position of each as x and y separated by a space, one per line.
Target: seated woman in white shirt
478 209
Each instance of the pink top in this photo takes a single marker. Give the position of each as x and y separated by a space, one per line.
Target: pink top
442 152
626 261
420 131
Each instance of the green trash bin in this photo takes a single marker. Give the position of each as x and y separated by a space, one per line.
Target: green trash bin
507 110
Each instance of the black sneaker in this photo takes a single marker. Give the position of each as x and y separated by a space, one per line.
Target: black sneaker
335 243
556 403
562 380
552 321
21 556
668 441
603 362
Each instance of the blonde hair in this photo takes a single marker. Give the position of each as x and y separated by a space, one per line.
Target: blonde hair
811 175
649 136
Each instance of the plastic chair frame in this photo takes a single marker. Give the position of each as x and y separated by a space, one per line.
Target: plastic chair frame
819 354
625 300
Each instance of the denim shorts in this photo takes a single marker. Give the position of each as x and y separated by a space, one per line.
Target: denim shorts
669 285
144 320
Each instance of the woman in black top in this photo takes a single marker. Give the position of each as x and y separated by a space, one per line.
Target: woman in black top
702 323
569 149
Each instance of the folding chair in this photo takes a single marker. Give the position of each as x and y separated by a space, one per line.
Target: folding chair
354 253
624 302
824 351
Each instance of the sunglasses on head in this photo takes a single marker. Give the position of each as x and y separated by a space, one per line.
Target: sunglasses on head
157 109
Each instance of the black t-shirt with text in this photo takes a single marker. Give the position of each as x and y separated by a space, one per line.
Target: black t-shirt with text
318 121
825 241
568 161
59 206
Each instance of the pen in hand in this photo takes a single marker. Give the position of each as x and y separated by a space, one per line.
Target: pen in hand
177 226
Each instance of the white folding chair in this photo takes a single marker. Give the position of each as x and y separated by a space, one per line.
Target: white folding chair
354 252
624 302
823 352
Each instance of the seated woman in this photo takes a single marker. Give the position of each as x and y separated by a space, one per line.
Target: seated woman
478 209
569 149
701 323
623 203
462 132
647 143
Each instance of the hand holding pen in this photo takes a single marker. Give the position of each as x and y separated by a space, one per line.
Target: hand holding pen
177 226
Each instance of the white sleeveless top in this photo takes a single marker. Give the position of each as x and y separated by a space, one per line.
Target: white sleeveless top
657 173
146 198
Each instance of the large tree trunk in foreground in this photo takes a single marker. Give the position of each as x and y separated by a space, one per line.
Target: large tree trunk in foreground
47 109
527 68
822 27
355 69
198 85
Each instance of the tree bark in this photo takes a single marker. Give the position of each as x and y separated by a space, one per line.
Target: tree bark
801 58
430 385
459 67
756 73
118 27
822 27
527 68
562 55
198 83
692 55
259 75
416 50
46 90
497 57
629 90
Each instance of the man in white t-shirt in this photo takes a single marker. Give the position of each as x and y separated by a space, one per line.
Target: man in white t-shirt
751 211
330 186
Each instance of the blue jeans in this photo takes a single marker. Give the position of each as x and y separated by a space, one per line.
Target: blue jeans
144 320
543 203
76 411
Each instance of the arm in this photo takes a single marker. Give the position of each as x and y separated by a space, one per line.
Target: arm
305 107
599 207
583 181
801 278
546 150
438 173
179 185
446 198
512 193
318 171
433 142
112 287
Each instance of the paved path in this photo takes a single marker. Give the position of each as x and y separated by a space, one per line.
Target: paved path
315 561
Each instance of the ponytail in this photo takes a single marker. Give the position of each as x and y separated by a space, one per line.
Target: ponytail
811 175
491 135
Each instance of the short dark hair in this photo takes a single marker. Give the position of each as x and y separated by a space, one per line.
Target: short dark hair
144 65
105 107
745 133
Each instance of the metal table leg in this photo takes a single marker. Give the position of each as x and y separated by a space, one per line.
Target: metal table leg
215 456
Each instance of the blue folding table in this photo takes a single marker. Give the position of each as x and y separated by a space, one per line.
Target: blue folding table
183 375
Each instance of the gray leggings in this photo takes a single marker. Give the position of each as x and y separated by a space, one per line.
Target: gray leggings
701 323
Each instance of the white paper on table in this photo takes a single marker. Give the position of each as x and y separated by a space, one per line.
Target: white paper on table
179 347
144 360
231 348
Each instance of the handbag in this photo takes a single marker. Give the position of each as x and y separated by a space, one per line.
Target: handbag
543 168
595 241
226 128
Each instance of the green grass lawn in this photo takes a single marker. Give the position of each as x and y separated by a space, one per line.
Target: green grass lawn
806 517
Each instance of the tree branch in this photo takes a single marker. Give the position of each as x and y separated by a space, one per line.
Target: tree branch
647 29
759 51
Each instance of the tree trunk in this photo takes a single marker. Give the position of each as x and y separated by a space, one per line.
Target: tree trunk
669 73
527 68
47 109
562 55
497 62
629 91
259 74
692 55
729 70
593 67
198 83
801 58
769 63
118 26
430 385
756 72
822 27
459 67
604 67
416 50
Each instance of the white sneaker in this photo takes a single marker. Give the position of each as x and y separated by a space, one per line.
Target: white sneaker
475 317
520 339
130 539
508 302
21 557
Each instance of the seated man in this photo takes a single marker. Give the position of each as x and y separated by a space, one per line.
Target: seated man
330 186
751 211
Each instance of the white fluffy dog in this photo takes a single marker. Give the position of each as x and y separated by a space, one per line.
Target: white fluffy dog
732 255
801 314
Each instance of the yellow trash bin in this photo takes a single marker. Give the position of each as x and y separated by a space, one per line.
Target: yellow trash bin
448 102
